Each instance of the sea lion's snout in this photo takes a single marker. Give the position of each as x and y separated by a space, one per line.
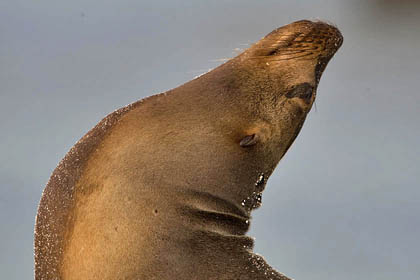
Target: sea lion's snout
323 38
301 40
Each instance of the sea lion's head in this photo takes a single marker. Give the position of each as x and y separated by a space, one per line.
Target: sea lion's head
258 102
280 75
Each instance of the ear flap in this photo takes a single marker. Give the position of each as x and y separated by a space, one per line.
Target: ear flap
249 140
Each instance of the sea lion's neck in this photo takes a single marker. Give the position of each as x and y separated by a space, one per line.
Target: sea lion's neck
215 233
209 212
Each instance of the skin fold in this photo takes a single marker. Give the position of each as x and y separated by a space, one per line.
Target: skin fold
164 188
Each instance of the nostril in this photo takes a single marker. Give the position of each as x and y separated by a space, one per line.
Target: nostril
303 91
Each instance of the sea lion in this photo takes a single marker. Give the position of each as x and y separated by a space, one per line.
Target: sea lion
163 188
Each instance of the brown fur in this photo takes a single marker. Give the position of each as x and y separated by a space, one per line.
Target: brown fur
163 188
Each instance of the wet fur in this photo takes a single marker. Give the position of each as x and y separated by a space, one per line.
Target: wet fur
167 175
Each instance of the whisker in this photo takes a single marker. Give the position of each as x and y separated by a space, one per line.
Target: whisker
293 57
294 52
219 60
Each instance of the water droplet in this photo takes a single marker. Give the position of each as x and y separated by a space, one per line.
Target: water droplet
255 199
260 184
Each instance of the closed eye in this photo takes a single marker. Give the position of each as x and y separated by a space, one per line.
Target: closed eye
303 91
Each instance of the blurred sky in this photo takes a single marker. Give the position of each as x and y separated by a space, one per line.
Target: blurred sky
344 202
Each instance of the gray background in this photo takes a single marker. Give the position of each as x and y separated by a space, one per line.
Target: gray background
344 202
